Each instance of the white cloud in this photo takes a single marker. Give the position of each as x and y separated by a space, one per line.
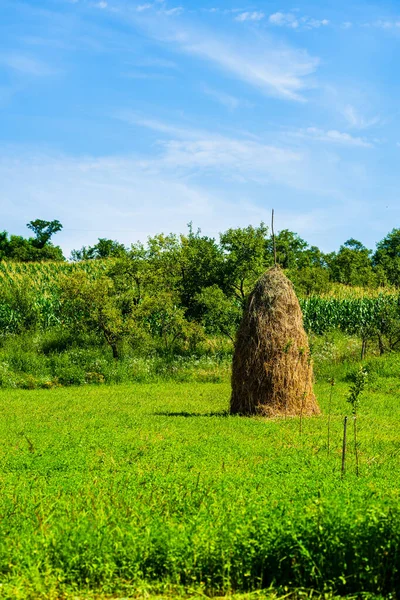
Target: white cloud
125 198
173 11
358 121
190 149
143 7
250 16
101 5
276 70
347 25
314 23
294 22
284 20
385 24
26 65
332 136
225 99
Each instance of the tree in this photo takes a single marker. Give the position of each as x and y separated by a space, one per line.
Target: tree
221 314
104 248
309 281
95 305
245 258
290 248
20 249
43 231
387 256
352 265
200 264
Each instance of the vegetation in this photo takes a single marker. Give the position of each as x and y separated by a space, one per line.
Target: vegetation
177 298
38 248
155 488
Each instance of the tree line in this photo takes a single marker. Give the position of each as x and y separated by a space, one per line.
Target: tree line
173 292
237 254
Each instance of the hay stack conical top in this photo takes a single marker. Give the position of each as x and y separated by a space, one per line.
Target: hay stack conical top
272 369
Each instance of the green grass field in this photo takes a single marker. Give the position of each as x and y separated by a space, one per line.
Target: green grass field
152 489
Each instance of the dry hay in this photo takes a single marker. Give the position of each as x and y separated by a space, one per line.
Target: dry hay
272 371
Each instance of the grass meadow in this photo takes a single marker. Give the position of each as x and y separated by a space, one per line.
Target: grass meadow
152 489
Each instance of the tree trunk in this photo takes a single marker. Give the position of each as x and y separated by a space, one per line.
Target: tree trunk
115 351
363 348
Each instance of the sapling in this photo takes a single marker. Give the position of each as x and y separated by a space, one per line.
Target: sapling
356 389
332 384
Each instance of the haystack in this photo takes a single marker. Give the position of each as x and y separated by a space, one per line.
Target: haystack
272 371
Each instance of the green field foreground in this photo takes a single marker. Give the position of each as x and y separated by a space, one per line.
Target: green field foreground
148 488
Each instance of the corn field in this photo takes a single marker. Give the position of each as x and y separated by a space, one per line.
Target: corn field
356 316
30 298
30 295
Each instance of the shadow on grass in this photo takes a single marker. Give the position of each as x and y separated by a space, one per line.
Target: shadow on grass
222 413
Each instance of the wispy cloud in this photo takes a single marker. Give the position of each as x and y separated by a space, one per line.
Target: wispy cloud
332 136
231 102
276 70
191 148
385 24
293 21
113 188
143 7
177 10
250 16
357 120
26 65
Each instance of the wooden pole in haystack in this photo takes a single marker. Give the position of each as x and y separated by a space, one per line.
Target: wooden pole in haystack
272 372
273 237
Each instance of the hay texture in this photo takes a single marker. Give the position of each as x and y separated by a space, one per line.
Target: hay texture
272 371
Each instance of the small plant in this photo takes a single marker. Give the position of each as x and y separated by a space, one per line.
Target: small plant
356 389
332 384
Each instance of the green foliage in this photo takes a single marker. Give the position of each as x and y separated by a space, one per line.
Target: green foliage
220 313
310 281
103 249
37 249
245 259
357 387
377 317
96 305
43 230
290 248
352 265
387 256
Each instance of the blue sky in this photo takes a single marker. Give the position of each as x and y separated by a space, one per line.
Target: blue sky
123 119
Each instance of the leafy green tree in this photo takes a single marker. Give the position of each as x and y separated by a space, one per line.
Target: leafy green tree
290 248
43 230
245 258
20 249
221 314
352 265
310 281
311 257
387 256
94 304
200 263
104 248
165 319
